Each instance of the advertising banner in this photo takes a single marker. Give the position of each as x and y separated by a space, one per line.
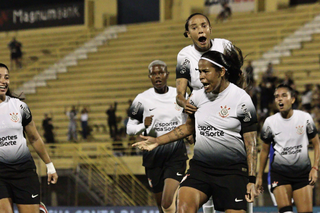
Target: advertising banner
42 16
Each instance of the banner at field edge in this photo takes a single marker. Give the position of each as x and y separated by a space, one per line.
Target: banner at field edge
142 209
42 16
214 6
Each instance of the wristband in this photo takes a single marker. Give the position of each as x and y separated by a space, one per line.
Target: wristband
50 168
315 168
252 179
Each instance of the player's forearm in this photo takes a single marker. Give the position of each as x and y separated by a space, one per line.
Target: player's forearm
39 147
178 133
250 142
263 159
316 147
181 101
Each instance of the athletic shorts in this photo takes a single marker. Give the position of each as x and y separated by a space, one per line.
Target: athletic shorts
157 175
227 191
24 190
296 182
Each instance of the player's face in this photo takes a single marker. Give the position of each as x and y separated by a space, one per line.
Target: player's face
210 77
4 82
158 77
283 99
199 32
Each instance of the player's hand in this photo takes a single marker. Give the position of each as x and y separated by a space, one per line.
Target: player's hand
149 144
190 139
52 178
190 109
252 192
148 121
313 176
259 186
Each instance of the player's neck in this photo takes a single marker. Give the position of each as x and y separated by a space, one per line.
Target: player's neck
287 114
161 90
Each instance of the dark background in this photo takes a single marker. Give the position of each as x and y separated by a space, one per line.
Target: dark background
14 4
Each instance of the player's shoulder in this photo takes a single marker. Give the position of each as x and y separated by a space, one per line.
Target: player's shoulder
14 101
301 114
185 51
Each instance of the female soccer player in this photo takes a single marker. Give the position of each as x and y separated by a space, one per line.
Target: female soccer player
289 132
225 123
155 112
19 181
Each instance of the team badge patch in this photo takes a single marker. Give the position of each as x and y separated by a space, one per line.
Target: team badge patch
299 130
14 117
224 111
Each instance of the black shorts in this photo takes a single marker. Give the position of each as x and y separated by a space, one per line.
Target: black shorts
24 190
296 182
227 191
157 175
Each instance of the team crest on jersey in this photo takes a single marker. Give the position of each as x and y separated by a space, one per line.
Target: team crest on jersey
224 111
177 107
150 182
14 117
299 130
274 184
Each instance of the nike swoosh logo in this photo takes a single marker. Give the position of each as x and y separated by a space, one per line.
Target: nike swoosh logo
238 200
151 109
34 196
179 174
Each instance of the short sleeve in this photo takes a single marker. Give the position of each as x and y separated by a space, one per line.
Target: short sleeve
183 67
26 114
266 132
247 114
136 109
311 128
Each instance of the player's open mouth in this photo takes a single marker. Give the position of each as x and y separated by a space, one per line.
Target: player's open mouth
206 85
3 87
281 105
202 40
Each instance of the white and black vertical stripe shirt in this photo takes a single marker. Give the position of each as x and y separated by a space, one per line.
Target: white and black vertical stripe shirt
290 139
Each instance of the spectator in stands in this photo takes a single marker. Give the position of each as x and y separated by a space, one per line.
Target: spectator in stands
19 181
72 128
225 12
292 174
154 112
288 79
112 120
306 98
15 53
48 127
198 29
84 122
250 73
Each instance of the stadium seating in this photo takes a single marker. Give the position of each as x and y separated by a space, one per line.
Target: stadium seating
118 71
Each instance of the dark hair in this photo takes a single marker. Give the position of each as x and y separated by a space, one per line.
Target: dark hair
231 60
292 92
9 93
186 26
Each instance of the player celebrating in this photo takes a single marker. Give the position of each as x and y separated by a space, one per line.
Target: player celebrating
289 132
155 112
19 181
